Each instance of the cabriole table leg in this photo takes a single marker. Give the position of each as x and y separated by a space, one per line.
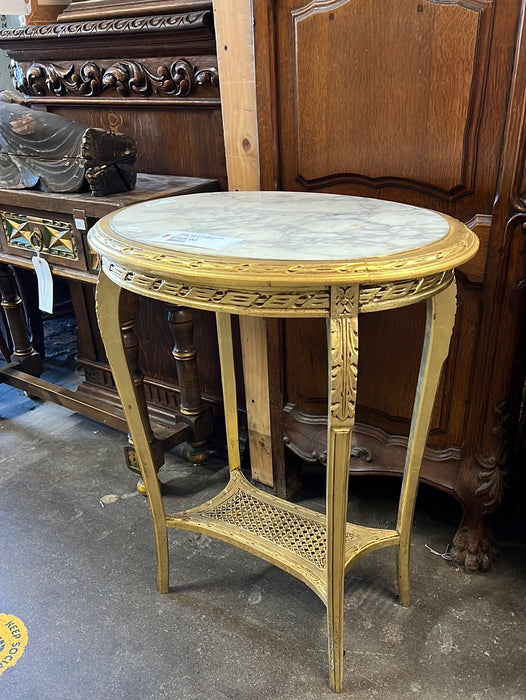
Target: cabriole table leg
439 326
116 311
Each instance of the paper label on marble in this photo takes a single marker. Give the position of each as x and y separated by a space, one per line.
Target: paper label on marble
197 240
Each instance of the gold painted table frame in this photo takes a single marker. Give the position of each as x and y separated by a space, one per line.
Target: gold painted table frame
317 549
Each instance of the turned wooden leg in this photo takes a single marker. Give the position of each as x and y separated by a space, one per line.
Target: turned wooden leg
439 326
28 289
116 311
5 337
24 353
192 407
343 368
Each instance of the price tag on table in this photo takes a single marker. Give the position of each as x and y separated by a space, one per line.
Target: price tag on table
45 283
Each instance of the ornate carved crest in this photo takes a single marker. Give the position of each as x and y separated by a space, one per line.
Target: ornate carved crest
178 79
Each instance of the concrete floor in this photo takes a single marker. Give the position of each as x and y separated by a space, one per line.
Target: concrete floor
81 576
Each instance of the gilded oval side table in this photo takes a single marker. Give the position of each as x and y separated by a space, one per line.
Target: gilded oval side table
283 254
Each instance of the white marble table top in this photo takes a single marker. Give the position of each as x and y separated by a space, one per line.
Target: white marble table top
279 225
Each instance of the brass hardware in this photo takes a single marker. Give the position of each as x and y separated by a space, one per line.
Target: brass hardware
37 240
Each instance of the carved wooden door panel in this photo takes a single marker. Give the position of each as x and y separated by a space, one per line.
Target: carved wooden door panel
379 96
404 100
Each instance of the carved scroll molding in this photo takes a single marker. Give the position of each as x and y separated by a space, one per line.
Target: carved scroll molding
372 445
127 78
113 26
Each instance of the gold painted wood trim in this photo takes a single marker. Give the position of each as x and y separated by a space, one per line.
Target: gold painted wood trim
261 524
275 302
454 249
440 319
115 318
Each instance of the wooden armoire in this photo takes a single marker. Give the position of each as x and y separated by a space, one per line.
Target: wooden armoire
419 101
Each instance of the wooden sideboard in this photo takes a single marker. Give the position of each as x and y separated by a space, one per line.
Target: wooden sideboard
60 223
153 77
55 225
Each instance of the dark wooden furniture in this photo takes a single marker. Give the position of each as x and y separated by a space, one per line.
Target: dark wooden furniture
57 225
153 77
420 102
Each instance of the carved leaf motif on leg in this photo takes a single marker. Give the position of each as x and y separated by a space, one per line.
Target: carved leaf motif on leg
344 352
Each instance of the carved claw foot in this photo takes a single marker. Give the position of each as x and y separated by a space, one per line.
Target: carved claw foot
473 548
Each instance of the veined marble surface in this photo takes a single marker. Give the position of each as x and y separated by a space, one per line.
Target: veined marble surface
279 225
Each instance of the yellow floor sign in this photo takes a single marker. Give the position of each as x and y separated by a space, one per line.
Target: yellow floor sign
13 640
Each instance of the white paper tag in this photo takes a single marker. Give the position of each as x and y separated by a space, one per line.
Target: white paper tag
196 240
45 284
80 224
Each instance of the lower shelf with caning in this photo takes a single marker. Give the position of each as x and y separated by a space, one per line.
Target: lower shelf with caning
289 536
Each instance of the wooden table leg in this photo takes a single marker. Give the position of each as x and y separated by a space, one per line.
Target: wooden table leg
116 312
192 407
439 327
23 354
5 337
343 373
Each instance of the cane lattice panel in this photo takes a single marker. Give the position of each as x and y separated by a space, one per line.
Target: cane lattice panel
290 536
291 531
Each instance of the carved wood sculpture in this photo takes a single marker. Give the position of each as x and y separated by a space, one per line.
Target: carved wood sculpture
55 154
